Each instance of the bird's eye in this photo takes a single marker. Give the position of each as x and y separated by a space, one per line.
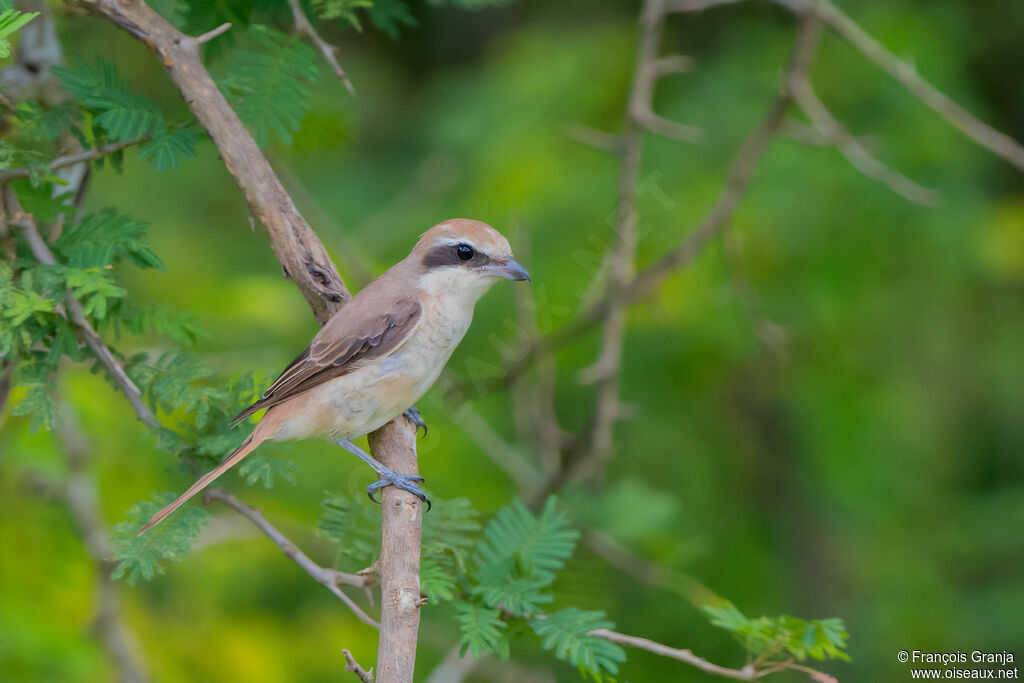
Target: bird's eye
465 253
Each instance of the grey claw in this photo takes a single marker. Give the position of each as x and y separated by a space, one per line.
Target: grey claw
413 415
406 482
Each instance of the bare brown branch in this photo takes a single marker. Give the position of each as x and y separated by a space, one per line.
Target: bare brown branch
352 665
998 143
295 244
855 152
326 577
595 444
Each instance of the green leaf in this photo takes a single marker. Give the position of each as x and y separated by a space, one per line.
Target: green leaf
102 237
390 16
566 632
36 123
181 326
481 629
167 150
141 556
344 10
36 378
537 546
10 21
124 116
436 581
353 526
518 596
260 468
767 637
274 82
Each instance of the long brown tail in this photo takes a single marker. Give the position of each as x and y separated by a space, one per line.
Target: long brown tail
245 449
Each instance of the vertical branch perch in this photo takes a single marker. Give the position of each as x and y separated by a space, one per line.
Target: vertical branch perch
399 562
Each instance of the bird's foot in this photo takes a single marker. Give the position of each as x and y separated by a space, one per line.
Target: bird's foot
406 482
413 415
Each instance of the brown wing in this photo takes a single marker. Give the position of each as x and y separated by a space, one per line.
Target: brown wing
339 348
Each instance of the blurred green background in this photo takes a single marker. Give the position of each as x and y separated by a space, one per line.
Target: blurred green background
876 474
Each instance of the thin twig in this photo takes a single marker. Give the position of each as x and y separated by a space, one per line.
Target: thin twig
591 137
595 443
740 172
905 74
717 220
304 25
70 159
747 673
998 143
353 666
855 152
739 175
326 577
210 35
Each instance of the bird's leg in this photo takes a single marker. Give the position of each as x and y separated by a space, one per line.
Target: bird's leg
406 482
413 415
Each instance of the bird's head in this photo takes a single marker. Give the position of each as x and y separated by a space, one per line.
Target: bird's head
466 256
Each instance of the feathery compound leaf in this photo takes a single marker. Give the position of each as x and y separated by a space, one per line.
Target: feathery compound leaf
481 628
168 149
140 556
122 114
537 546
390 16
36 378
10 21
518 596
766 637
36 123
452 529
260 468
566 631
344 10
436 581
274 83
101 238
355 527
181 326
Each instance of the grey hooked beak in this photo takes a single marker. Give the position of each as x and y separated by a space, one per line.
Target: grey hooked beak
510 270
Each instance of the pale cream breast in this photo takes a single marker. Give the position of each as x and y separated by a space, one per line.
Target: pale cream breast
375 392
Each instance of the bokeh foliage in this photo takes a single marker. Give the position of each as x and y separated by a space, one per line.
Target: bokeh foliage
876 475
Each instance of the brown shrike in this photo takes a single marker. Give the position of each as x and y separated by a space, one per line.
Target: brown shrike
380 352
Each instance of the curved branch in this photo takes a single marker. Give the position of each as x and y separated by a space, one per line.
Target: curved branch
295 244
303 25
998 143
328 578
